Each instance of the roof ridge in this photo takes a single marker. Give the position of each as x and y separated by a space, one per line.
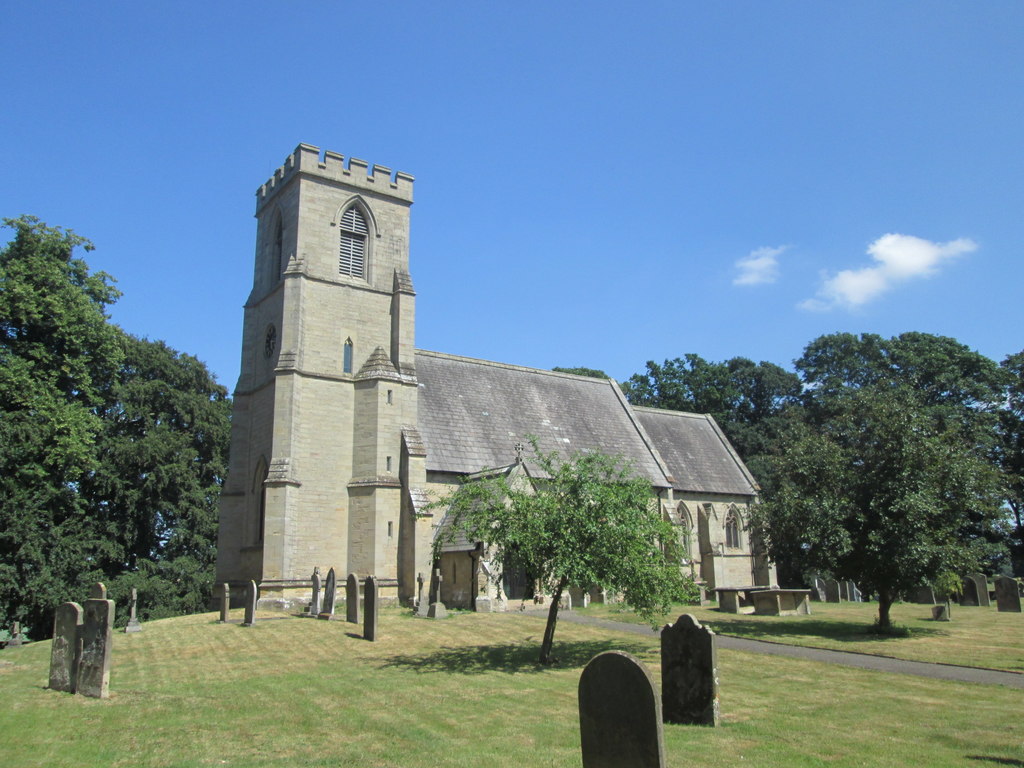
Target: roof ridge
511 366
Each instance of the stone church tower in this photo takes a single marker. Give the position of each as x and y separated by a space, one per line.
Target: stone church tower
325 456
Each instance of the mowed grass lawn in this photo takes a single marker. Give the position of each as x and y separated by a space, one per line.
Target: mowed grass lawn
976 637
465 691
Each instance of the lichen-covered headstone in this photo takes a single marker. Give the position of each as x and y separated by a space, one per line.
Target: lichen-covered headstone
15 640
981 588
314 603
97 638
66 650
940 612
133 620
352 599
831 591
689 673
1007 594
225 601
98 591
969 592
251 595
620 714
330 596
371 597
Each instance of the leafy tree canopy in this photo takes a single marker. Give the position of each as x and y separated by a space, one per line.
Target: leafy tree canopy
593 373
587 521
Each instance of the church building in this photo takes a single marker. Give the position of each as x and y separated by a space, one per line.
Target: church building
343 432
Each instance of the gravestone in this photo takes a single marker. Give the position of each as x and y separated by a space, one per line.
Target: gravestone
620 714
98 591
15 639
940 612
981 587
133 620
66 651
97 639
423 604
831 591
689 673
844 591
330 596
818 592
314 603
855 595
969 592
251 593
1007 594
437 609
352 599
923 596
225 601
371 595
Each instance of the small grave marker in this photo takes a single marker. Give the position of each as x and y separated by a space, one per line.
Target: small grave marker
620 714
371 595
251 594
15 639
314 603
225 601
330 596
423 604
133 620
352 599
437 608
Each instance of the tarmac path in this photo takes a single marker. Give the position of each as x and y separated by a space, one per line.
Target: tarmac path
862 660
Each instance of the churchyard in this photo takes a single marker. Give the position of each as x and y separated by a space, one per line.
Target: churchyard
980 637
467 691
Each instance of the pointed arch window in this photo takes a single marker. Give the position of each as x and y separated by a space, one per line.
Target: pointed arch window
732 530
352 248
346 357
685 530
278 248
260 490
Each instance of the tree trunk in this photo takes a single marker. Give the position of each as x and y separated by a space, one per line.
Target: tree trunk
884 604
549 630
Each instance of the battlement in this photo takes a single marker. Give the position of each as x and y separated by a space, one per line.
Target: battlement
330 165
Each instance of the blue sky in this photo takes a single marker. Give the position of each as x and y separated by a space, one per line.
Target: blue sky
597 184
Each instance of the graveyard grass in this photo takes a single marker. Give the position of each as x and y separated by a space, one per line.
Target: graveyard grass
976 637
465 691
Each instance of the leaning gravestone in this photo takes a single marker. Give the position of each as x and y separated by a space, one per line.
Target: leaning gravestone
330 596
689 673
97 638
831 591
65 652
1007 595
981 588
225 601
371 596
855 596
251 593
620 714
314 603
969 592
819 589
133 620
352 599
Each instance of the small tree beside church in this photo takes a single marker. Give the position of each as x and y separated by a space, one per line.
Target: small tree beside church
587 521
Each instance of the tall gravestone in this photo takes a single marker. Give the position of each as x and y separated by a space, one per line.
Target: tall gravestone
251 595
225 601
422 604
831 591
689 673
620 714
66 651
981 588
371 595
97 638
969 592
314 603
1007 595
330 596
352 599
133 620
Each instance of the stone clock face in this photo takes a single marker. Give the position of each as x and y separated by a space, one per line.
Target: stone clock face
270 343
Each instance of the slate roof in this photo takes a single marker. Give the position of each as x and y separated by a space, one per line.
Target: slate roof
698 455
472 413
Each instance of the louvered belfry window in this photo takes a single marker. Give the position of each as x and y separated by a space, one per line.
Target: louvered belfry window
352 253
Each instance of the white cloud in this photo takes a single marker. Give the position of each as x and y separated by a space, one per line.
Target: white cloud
761 266
898 258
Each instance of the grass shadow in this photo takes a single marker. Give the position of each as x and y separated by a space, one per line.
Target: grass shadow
997 760
510 657
805 627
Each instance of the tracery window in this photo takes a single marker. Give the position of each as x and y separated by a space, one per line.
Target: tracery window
732 530
352 248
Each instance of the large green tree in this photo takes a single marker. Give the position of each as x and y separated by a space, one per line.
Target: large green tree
111 447
1010 454
881 493
585 521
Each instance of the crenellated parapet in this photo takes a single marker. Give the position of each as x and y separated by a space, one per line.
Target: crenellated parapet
330 165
